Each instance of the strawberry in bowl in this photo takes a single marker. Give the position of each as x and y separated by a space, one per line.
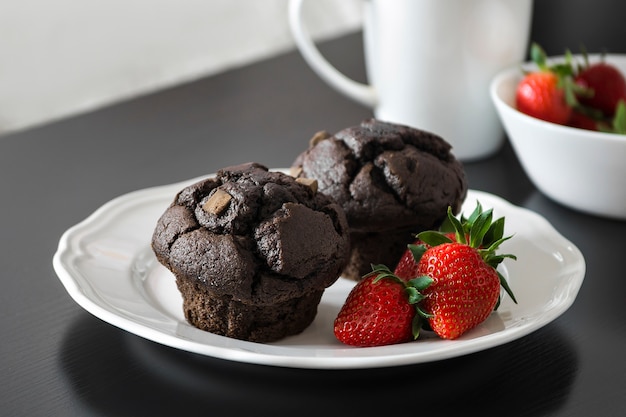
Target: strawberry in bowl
579 163
574 92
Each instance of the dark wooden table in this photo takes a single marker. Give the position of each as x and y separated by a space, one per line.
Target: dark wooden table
57 359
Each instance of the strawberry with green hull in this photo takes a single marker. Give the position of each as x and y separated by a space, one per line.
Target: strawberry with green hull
606 84
464 292
600 98
381 310
466 283
547 93
586 96
539 95
448 280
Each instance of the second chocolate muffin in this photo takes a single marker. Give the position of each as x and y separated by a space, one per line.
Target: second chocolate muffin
392 181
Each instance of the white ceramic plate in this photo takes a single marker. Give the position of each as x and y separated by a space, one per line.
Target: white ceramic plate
108 268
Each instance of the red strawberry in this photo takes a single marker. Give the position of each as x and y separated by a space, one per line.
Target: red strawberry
548 93
407 266
607 84
380 310
540 95
465 289
466 284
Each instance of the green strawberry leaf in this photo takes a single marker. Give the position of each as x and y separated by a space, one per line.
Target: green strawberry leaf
538 56
417 251
472 218
495 260
494 245
506 287
414 295
432 238
421 283
480 228
566 69
495 232
619 121
458 226
423 314
569 86
416 325
376 268
446 226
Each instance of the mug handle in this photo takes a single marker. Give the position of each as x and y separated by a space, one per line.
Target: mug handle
362 93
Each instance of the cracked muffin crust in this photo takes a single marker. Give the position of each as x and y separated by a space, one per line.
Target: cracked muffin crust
392 181
252 251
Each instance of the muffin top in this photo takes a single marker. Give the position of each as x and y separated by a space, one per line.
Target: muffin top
258 236
385 176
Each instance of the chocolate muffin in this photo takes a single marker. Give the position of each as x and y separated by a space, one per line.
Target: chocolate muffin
252 251
392 181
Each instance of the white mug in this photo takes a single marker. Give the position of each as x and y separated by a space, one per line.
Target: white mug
429 64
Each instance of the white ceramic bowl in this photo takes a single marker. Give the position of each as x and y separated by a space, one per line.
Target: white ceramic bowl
581 169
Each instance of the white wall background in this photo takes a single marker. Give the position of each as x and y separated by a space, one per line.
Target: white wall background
62 57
